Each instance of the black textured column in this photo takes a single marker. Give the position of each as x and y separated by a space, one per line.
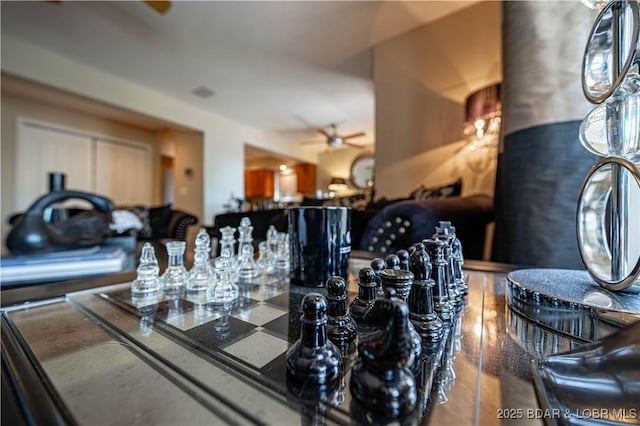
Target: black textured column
541 164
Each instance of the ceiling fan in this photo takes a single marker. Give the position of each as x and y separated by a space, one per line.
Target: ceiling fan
335 140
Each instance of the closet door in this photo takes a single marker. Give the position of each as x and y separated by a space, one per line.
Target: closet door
41 150
123 172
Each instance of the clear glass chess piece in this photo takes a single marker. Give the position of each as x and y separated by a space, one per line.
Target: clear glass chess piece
247 267
201 275
223 293
228 248
245 237
175 276
282 252
148 271
266 263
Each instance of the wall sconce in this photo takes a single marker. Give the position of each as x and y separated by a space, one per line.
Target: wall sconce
483 114
338 184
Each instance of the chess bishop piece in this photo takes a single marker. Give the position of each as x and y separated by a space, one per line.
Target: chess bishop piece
148 271
381 380
421 311
342 329
313 359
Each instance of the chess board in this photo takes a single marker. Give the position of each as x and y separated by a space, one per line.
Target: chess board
254 336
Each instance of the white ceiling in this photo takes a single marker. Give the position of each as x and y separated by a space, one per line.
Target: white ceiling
283 66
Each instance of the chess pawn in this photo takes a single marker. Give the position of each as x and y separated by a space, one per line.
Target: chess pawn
381 380
224 292
421 312
247 267
148 271
367 292
452 286
313 359
266 264
201 274
378 265
416 340
175 276
282 252
440 292
458 261
392 261
403 257
342 329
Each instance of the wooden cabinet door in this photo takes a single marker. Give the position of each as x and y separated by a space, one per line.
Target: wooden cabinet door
306 178
259 183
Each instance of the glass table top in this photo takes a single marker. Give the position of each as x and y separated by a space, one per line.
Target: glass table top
107 358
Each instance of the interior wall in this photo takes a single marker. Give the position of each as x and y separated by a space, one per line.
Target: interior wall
14 106
224 139
336 163
421 80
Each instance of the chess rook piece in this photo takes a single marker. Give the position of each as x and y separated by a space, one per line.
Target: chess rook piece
421 312
403 256
342 329
148 280
381 380
313 359
392 261
378 265
458 261
441 303
416 340
452 286
367 291
174 278
398 279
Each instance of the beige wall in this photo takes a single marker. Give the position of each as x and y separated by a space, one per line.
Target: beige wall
336 163
421 80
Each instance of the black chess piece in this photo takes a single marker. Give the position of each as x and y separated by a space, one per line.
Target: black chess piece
416 341
378 265
458 261
381 380
421 312
398 279
341 328
367 292
403 257
452 285
441 304
392 261
313 359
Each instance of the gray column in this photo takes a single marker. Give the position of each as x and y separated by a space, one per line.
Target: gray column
541 164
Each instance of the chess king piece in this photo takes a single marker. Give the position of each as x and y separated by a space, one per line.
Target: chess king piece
313 359
201 275
421 311
367 292
342 329
416 340
174 278
458 261
381 380
148 272
441 303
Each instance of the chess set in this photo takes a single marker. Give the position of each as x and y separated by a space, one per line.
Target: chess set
376 345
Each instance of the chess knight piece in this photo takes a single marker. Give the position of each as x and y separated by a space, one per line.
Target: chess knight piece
342 329
381 380
313 359
421 311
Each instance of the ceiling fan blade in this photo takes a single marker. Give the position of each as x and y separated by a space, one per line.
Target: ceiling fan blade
311 142
325 133
160 6
354 135
354 145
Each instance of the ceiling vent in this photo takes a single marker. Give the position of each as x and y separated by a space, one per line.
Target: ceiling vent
203 92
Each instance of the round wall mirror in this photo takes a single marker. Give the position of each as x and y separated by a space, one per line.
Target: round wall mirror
362 171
